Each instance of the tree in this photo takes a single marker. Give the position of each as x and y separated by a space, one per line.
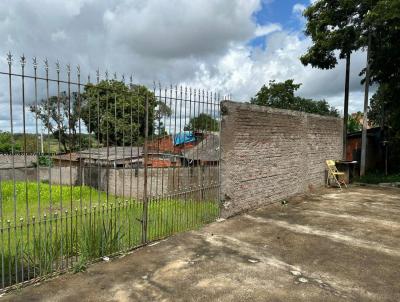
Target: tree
384 112
347 25
354 122
336 25
162 110
202 122
383 24
6 143
115 113
281 95
383 21
59 115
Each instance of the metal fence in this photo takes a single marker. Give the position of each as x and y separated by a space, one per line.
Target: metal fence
92 167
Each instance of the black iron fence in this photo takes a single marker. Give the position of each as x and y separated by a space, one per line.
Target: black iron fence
94 167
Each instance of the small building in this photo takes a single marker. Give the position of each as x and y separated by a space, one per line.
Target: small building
175 144
113 156
204 153
66 159
375 152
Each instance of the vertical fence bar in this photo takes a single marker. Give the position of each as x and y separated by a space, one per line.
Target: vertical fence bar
107 143
130 218
218 105
183 160
162 199
23 62
2 235
138 101
145 199
89 129
122 226
48 102
80 167
71 142
187 160
9 59
59 126
35 64
98 137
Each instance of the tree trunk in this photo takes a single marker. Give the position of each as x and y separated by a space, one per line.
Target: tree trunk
365 118
346 104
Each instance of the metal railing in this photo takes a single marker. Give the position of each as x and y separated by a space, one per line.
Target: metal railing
95 168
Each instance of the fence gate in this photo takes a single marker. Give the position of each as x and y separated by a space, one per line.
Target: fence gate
95 166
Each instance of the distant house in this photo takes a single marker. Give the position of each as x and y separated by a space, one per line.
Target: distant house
185 148
66 160
204 153
167 151
113 156
163 160
175 144
375 153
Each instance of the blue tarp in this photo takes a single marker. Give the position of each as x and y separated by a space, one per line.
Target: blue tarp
184 138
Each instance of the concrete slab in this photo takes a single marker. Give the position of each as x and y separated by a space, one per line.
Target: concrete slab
331 246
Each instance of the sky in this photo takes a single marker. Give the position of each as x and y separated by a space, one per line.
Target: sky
229 46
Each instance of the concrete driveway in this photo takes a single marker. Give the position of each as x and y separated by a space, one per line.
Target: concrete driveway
330 246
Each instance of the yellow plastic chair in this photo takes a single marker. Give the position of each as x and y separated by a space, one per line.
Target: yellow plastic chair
334 174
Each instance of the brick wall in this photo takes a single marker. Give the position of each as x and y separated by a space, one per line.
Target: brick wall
270 154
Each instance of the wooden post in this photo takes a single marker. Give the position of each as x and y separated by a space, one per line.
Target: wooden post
346 104
365 118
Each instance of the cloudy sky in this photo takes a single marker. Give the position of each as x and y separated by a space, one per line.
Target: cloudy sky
232 46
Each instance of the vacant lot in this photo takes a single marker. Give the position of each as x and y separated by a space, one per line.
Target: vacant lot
334 246
80 224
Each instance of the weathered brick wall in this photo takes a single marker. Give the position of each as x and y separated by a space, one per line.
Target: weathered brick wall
270 154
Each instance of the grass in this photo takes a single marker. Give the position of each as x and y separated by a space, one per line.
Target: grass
376 178
77 225
54 198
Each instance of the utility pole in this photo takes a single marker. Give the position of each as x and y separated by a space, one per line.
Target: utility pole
346 104
365 118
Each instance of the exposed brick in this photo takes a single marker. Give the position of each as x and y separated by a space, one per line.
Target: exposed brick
270 154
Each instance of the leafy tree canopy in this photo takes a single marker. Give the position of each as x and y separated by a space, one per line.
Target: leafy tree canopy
6 143
384 112
59 115
162 111
336 25
281 95
384 108
112 111
202 122
384 23
354 122
115 113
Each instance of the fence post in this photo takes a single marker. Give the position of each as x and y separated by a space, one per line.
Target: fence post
145 151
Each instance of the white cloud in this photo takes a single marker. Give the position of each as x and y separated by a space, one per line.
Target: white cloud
298 8
242 71
201 43
180 28
263 30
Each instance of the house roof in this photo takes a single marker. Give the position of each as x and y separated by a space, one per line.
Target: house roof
184 138
114 153
206 150
370 132
67 156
